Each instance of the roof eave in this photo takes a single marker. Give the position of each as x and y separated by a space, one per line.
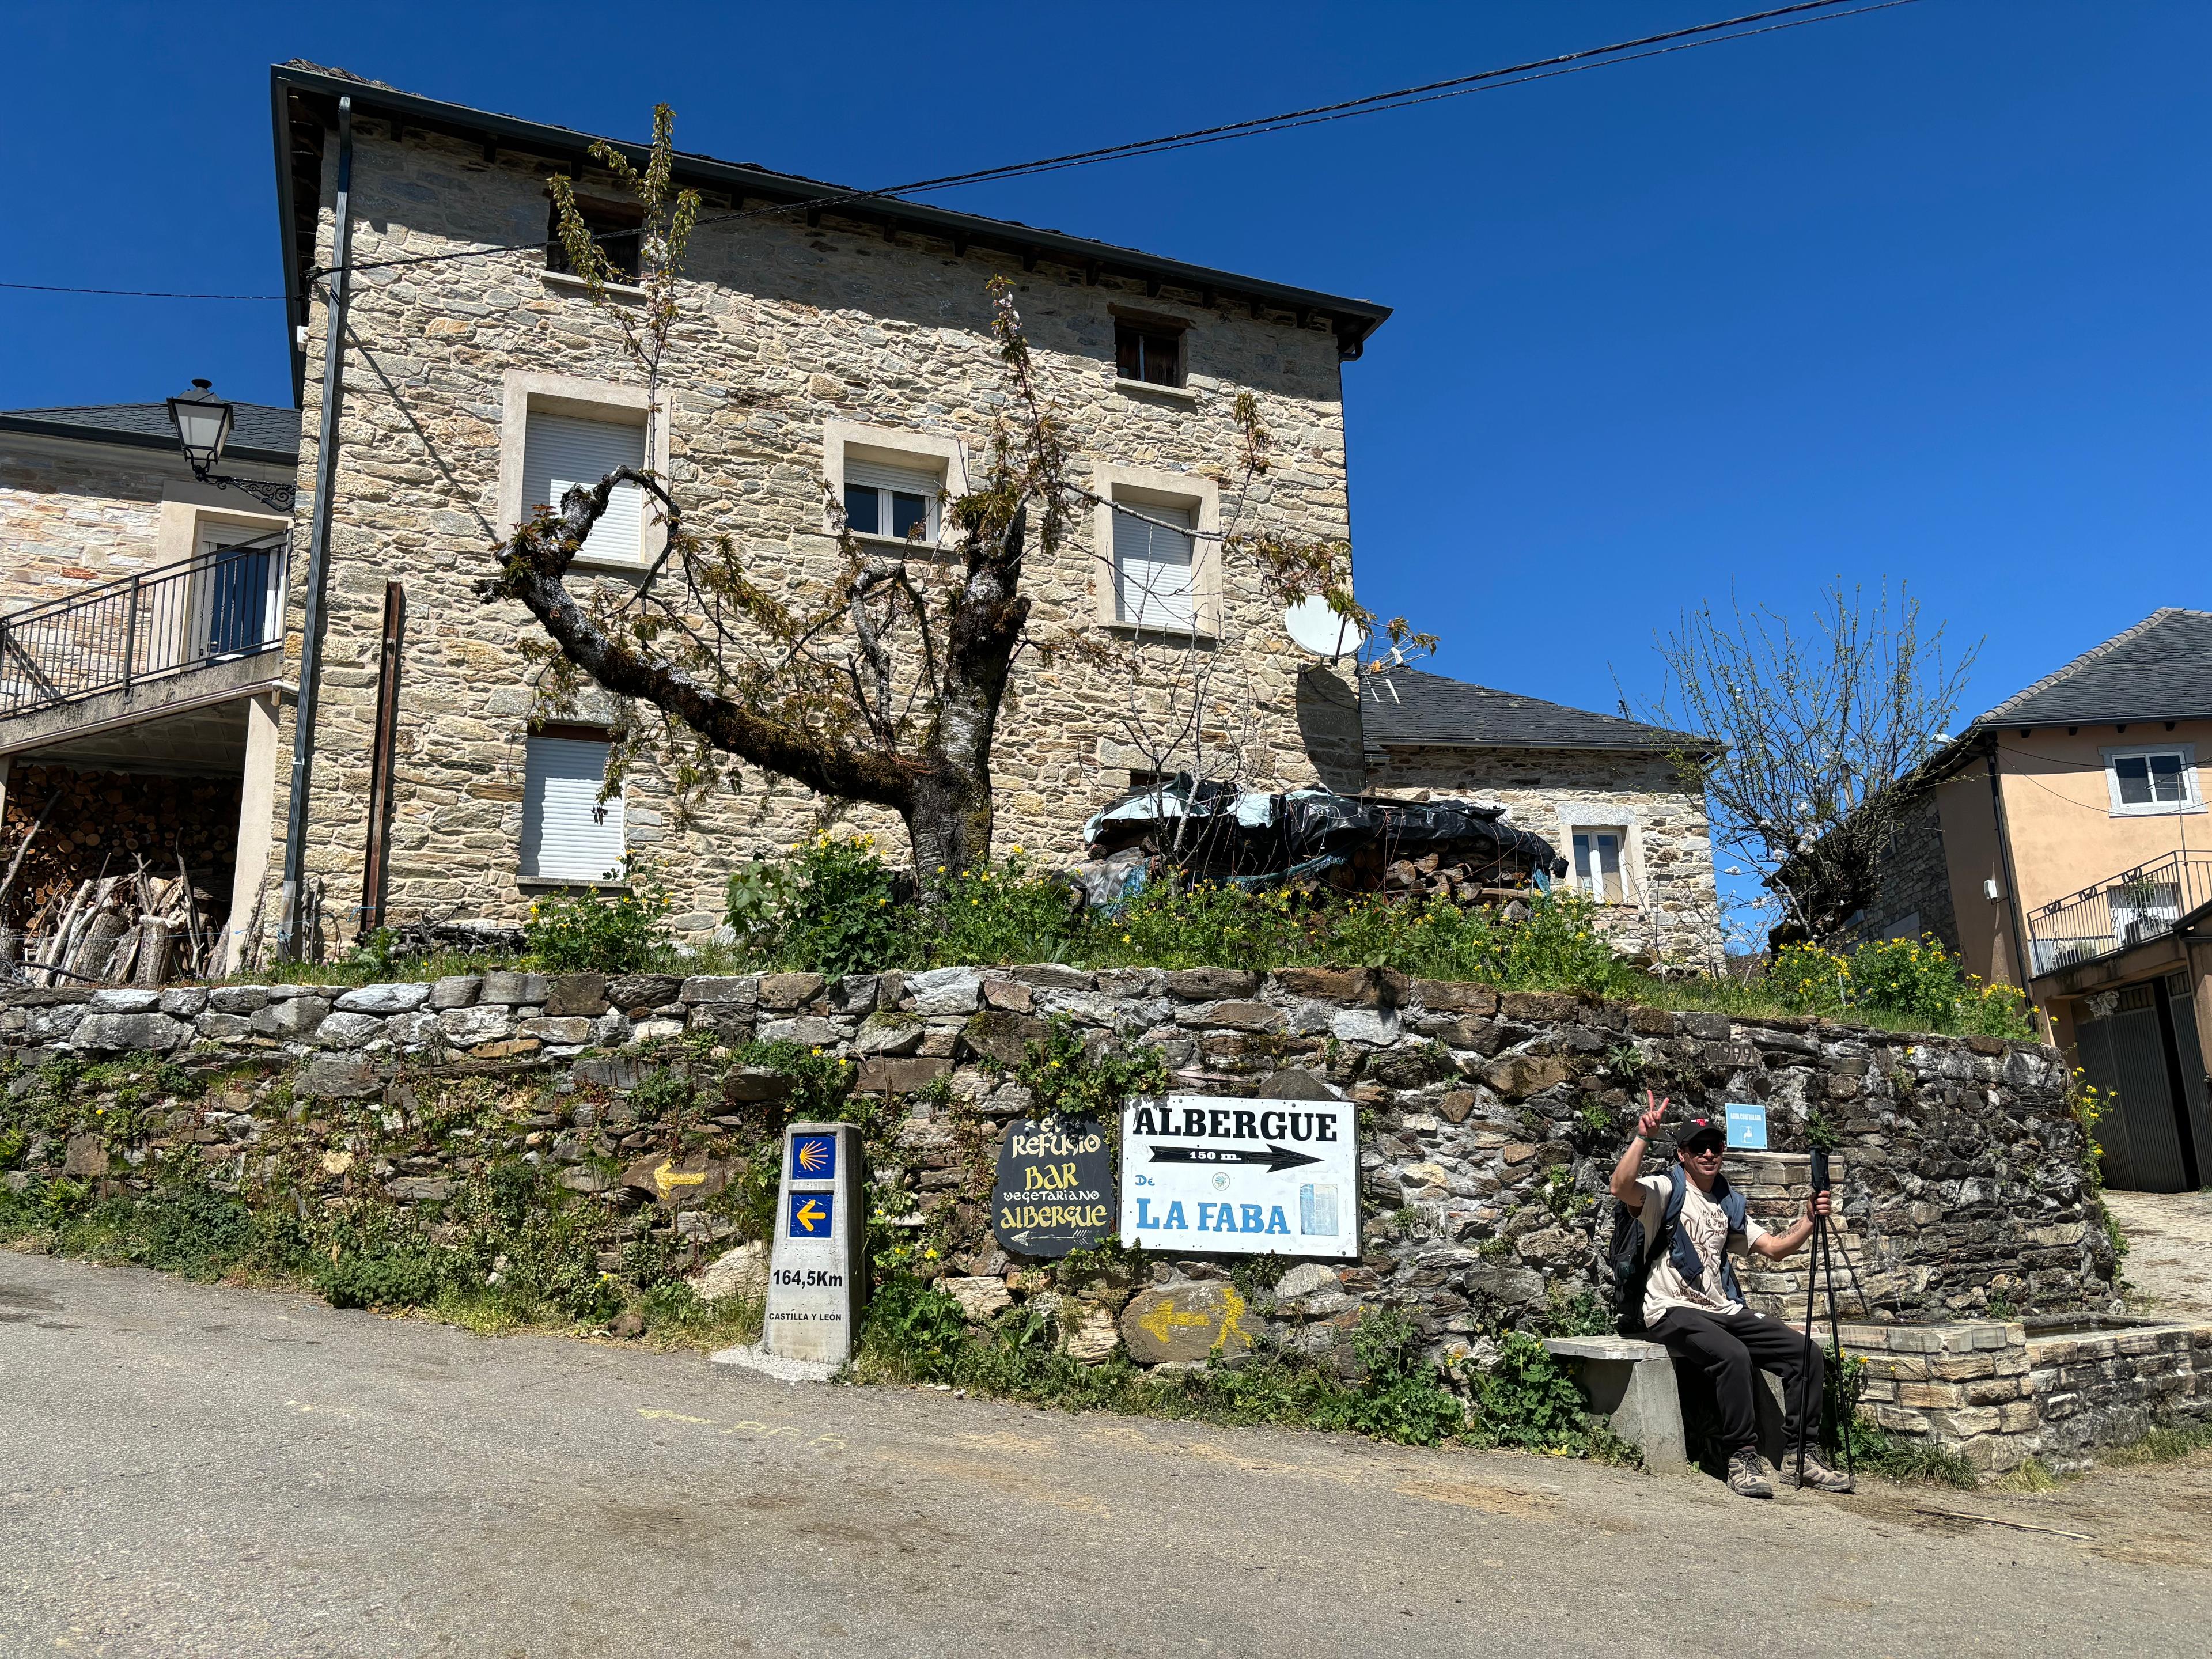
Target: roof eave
1351 320
137 440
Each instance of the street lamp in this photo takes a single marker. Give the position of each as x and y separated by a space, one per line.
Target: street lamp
204 421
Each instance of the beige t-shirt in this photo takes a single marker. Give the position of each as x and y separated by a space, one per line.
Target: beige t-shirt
1705 1223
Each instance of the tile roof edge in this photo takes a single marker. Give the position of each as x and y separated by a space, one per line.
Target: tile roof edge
1997 716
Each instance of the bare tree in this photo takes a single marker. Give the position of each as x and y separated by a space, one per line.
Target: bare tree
882 683
1815 734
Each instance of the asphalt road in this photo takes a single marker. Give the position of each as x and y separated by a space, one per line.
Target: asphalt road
191 1470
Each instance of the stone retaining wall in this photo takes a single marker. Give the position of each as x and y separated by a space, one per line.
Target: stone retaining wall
1490 1122
1999 1393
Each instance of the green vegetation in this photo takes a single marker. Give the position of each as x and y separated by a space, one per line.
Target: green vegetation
1914 980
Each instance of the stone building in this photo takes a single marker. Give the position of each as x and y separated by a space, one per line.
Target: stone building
825 346
140 654
821 339
1608 793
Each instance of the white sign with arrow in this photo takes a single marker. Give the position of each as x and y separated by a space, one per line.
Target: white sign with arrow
1204 1175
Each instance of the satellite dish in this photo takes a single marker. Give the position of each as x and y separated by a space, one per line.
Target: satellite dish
1321 630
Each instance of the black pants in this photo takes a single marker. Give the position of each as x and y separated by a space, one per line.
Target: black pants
1732 1349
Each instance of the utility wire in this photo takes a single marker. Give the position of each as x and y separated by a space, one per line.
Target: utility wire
1798 15
1539 69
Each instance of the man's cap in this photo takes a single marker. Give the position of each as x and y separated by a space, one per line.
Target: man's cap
1697 1132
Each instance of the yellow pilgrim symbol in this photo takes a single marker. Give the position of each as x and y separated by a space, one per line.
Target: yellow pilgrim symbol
668 1178
808 1214
1167 1318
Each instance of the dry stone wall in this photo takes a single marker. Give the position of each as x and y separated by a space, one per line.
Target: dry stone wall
67 524
784 327
1489 1124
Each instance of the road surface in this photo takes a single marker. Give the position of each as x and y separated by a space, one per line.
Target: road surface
194 1470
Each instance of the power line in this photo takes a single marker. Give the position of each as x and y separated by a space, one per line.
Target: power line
1650 45
132 293
1717 33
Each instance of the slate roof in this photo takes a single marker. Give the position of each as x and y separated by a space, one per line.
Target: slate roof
2160 669
1407 708
258 432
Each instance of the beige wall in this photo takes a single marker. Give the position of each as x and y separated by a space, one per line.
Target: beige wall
785 330
2064 834
1971 855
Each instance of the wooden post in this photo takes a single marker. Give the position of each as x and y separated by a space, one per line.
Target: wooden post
375 864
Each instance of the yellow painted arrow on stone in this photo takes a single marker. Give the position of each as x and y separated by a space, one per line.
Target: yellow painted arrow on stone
668 1178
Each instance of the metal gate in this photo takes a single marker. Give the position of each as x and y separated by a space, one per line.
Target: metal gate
2142 1050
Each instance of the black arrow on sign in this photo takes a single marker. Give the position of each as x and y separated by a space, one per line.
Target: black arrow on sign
1277 1158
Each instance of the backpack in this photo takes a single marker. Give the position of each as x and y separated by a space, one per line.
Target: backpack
1631 1257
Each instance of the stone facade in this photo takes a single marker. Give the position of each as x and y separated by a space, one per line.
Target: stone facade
1490 1122
1912 881
1671 909
66 524
784 329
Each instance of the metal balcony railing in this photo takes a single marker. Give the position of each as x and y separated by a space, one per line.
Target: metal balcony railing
223 603
2144 903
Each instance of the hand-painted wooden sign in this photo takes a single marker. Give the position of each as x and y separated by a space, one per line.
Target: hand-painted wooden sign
1055 1187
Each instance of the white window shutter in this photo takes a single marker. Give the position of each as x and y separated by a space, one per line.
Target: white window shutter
914 481
562 450
1152 569
567 833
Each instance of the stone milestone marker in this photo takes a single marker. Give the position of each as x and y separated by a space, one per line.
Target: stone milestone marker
814 1266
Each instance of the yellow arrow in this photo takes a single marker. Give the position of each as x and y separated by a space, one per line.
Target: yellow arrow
807 1214
668 1178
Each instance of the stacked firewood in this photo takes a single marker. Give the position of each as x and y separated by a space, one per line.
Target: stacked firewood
93 824
140 929
1465 882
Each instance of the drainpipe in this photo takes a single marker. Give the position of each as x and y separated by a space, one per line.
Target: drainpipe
289 943
2020 959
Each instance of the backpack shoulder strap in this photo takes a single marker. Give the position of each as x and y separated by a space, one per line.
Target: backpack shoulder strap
1657 1238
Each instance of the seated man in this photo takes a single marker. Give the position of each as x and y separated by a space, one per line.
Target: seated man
1691 1220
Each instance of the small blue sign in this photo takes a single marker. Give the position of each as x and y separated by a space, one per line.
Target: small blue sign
1747 1128
814 1158
811 1214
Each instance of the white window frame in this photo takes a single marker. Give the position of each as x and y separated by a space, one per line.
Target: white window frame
894 446
2192 799
1138 487
607 811
1593 884
523 394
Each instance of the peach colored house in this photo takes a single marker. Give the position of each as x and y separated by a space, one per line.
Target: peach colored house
2063 845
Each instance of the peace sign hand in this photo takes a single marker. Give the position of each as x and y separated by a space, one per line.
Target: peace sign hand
1655 1113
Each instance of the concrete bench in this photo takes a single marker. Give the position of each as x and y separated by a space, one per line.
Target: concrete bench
1632 1384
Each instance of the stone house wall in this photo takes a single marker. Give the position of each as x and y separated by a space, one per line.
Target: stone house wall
67 524
1490 1123
1912 881
1672 912
784 328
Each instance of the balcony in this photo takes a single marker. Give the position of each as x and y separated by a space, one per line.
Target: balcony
2132 908
222 606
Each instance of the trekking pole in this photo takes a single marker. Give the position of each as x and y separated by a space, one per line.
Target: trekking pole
1805 1378
1836 1344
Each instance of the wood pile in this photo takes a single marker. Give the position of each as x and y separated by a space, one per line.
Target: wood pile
140 929
97 823
1464 882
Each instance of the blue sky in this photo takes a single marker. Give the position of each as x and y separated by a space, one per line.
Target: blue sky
1918 294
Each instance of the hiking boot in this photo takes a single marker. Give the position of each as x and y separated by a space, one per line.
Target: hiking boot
1746 1475
1817 1475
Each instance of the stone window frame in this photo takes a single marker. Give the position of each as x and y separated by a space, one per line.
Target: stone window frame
2194 801
892 445
1111 481
522 390
1593 818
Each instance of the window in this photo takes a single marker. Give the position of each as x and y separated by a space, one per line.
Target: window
898 501
562 450
1153 355
2152 780
1598 865
568 833
1153 565
614 228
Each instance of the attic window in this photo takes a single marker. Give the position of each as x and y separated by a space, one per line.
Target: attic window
1147 353
615 226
